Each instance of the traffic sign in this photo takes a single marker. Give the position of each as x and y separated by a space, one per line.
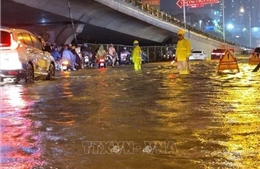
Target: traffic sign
179 3
193 3
254 59
228 62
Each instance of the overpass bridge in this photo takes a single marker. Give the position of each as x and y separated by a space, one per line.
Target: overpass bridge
103 21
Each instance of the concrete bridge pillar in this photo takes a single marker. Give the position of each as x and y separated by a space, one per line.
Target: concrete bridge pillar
68 34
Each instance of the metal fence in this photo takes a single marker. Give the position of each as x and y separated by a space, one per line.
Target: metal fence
153 53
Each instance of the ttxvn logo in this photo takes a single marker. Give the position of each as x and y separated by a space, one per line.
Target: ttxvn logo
129 147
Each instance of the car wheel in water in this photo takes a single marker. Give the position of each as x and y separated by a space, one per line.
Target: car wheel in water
29 77
51 74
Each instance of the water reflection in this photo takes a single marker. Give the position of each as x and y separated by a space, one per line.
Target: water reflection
19 145
240 124
215 122
212 118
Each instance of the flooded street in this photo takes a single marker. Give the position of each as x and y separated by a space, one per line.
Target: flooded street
118 118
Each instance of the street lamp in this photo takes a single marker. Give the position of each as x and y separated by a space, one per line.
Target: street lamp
250 29
250 25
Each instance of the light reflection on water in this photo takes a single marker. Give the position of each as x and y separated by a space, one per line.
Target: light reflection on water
19 146
227 125
213 119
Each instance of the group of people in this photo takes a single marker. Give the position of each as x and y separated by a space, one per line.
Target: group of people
102 53
183 51
66 52
111 52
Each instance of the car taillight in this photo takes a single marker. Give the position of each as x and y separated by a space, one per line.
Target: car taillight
5 40
13 72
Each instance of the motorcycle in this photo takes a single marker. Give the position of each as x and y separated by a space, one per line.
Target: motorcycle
101 63
125 59
87 59
65 65
109 60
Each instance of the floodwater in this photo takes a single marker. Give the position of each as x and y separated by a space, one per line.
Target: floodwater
116 118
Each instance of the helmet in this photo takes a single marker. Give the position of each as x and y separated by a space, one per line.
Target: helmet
181 32
135 42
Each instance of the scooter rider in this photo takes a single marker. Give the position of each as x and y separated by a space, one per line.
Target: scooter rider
78 62
101 53
67 54
124 56
112 53
84 49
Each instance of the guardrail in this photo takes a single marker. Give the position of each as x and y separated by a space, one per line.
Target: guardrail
167 17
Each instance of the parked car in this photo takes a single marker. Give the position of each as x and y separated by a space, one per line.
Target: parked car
217 53
23 56
197 55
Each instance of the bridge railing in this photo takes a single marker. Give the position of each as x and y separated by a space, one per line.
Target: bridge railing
171 19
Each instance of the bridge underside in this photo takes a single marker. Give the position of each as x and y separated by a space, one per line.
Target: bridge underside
101 23
98 21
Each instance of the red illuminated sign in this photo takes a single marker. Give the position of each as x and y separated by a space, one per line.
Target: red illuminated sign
195 3
179 3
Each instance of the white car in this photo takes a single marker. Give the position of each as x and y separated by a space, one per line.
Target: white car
197 55
22 57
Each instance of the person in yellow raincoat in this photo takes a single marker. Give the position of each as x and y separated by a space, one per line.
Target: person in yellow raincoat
137 56
101 53
183 51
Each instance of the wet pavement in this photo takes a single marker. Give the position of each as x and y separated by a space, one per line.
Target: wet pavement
117 118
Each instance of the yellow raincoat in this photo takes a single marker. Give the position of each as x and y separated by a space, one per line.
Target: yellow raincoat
183 51
137 57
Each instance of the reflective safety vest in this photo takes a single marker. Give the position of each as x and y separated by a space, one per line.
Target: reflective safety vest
137 53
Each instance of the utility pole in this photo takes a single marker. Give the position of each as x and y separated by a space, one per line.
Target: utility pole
184 13
250 29
223 15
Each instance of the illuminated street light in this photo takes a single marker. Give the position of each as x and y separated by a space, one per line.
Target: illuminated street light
237 37
230 26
